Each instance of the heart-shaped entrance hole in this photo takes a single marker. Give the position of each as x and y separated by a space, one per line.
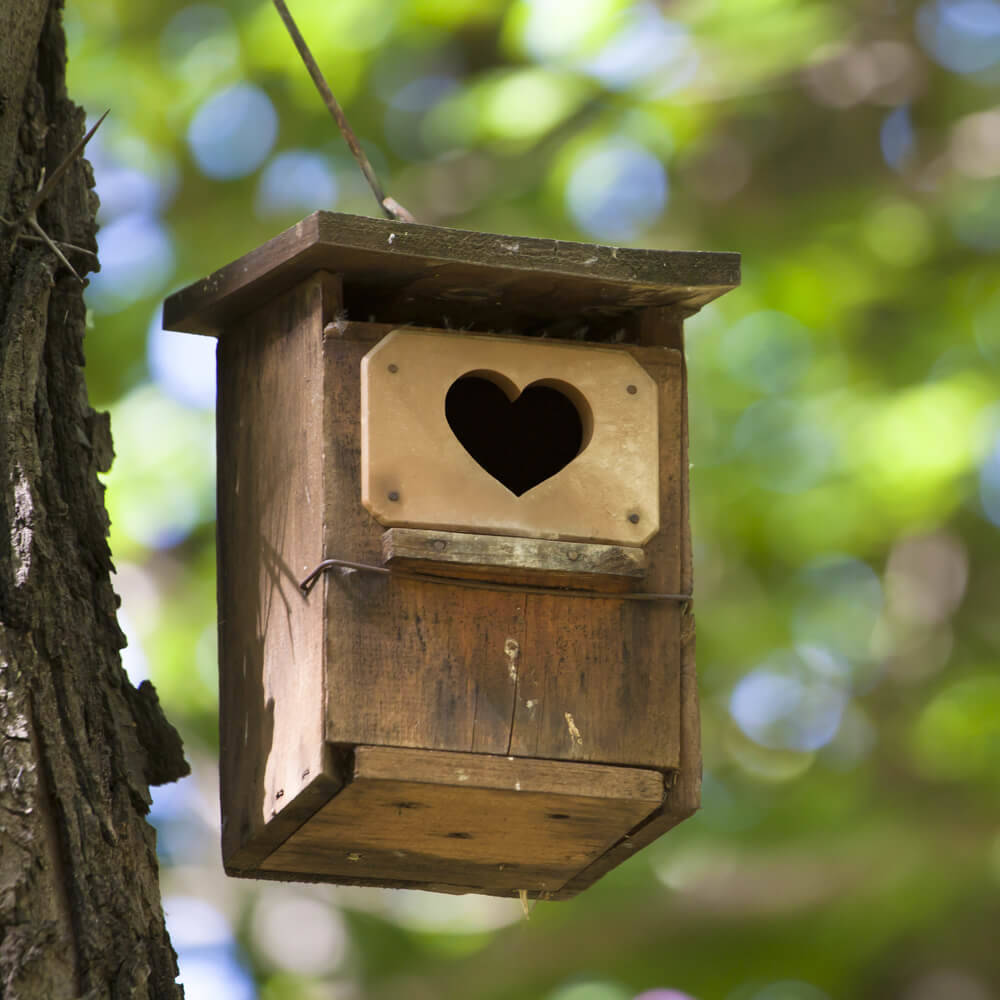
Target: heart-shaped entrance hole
520 439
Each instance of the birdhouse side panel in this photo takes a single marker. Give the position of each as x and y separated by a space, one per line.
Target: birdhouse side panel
270 523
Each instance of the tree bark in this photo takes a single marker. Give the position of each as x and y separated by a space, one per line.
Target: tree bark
80 912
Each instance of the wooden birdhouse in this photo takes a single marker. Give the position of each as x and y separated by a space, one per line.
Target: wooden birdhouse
455 633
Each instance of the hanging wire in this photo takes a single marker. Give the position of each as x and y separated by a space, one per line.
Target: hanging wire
391 207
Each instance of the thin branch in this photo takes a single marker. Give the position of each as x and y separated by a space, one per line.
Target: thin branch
391 208
29 238
45 189
33 222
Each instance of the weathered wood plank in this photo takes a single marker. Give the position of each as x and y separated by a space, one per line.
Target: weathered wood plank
399 272
415 665
602 682
270 459
246 859
683 796
494 823
611 669
408 664
511 559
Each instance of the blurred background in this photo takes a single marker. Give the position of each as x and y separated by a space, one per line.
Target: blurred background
845 444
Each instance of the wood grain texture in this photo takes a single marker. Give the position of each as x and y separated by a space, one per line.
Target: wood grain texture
447 668
270 490
683 796
601 682
419 472
406 272
509 559
402 666
469 821
408 664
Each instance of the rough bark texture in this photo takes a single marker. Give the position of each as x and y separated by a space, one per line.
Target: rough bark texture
80 912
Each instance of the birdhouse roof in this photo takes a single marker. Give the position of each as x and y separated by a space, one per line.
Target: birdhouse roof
408 272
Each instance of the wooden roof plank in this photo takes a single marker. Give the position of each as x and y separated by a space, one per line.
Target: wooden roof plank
398 266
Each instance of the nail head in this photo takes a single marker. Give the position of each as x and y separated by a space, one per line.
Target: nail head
634 518
631 389
393 495
393 369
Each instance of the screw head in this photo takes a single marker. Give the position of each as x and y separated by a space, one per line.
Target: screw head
393 369
439 544
393 495
572 556
631 389
633 518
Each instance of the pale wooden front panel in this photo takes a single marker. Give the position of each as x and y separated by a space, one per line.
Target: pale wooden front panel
409 449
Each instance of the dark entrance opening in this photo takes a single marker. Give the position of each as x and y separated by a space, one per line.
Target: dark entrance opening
522 441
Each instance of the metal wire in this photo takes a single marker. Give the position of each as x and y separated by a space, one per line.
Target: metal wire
517 588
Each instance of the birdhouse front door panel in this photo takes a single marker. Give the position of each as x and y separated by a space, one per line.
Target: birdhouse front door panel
541 675
455 634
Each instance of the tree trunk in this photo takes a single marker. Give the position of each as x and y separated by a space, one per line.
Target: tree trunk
80 912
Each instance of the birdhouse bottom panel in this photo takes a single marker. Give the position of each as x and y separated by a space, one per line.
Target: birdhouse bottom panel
463 822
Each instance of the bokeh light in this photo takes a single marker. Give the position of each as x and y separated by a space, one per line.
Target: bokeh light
617 191
767 350
663 995
296 182
137 259
206 951
948 984
233 131
926 578
784 705
789 451
299 933
646 49
163 481
957 735
963 35
837 601
897 138
183 366
591 990
200 43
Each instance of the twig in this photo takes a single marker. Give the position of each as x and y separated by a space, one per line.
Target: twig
45 189
29 238
391 207
33 222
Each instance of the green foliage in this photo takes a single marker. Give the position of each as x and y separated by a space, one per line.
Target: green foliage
845 447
